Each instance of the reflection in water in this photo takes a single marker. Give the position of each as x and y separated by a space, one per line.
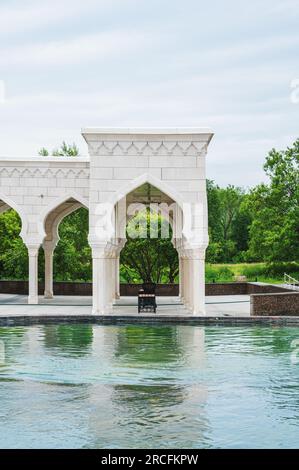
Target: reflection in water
148 345
168 416
153 397
148 386
277 340
11 338
7 332
72 339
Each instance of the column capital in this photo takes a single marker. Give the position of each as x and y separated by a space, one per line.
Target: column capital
195 253
49 245
32 249
99 250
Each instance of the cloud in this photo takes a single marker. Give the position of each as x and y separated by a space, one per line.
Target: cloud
236 154
91 47
131 63
24 16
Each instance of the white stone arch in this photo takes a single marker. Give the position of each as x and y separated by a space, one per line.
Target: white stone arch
12 205
54 205
152 180
49 222
157 183
53 235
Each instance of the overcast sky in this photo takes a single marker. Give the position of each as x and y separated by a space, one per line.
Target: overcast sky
227 65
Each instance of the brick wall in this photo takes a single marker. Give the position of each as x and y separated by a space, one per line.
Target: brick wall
85 288
275 304
161 289
60 288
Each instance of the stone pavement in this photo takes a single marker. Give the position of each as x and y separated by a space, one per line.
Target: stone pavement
14 305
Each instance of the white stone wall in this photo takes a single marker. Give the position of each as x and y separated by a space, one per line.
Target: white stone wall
173 160
35 186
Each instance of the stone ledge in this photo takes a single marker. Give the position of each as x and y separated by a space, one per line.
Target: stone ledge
23 320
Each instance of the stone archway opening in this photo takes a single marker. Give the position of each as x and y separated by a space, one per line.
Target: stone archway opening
66 228
147 221
149 253
13 251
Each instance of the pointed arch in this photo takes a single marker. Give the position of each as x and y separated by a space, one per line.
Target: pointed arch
152 180
134 184
78 200
12 205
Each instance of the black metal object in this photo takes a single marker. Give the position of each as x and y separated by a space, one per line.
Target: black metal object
147 298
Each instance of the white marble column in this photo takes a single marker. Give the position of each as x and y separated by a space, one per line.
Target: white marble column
99 284
117 282
108 280
190 283
110 283
181 278
33 273
198 283
186 282
49 253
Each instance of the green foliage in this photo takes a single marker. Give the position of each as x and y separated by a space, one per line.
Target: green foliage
218 274
264 272
13 252
229 221
72 257
43 152
65 150
149 259
274 232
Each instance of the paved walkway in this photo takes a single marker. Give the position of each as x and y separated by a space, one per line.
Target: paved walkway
16 305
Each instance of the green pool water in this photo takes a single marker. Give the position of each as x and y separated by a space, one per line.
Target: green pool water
94 386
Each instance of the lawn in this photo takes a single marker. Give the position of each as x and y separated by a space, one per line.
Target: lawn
252 271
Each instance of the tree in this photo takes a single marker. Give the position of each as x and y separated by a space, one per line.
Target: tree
149 259
13 252
214 213
228 223
72 256
230 201
65 150
240 228
274 207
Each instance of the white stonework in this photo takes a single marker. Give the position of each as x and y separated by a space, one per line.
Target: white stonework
43 190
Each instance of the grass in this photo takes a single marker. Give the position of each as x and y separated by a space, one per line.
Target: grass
261 271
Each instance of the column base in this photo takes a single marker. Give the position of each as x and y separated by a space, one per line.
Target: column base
48 295
107 310
200 313
32 300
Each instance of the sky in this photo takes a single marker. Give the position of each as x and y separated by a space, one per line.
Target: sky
229 65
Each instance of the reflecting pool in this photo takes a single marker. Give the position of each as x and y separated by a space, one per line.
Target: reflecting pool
146 386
